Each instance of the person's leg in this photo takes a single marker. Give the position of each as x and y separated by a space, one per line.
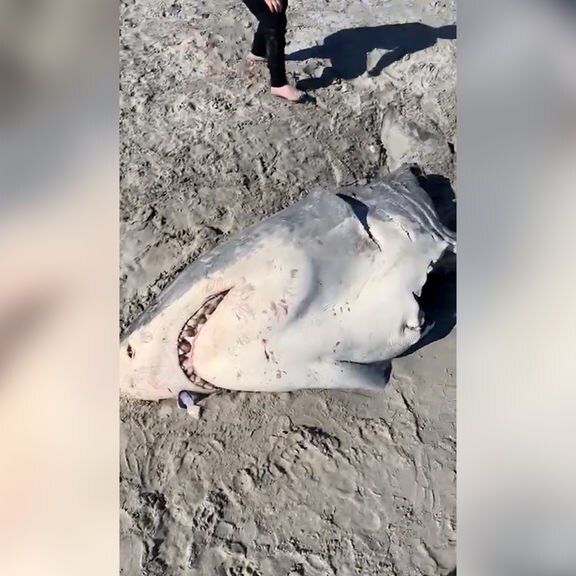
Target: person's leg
275 35
272 29
259 43
269 39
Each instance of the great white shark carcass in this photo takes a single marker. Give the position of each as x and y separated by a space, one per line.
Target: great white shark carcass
319 295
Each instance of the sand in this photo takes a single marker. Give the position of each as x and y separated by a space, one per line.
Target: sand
308 483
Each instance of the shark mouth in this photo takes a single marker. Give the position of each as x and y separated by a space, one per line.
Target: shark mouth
189 334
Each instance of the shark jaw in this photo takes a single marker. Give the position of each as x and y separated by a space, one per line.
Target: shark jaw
189 334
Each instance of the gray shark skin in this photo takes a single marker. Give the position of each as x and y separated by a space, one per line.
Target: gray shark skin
319 295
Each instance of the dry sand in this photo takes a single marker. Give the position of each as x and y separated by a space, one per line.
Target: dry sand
309 483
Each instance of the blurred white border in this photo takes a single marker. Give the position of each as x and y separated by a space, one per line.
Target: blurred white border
516 312
58 287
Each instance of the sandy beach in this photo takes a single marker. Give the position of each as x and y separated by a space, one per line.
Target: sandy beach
309 483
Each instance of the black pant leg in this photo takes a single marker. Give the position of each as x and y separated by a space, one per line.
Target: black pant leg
259 42
272 29
275 51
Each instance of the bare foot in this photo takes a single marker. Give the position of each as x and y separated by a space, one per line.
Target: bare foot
288 93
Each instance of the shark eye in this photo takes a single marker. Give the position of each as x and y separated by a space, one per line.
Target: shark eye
130 351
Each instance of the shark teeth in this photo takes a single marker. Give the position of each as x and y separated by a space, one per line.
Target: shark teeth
188 336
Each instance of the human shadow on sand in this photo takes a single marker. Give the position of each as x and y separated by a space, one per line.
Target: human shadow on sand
348 49
438 298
